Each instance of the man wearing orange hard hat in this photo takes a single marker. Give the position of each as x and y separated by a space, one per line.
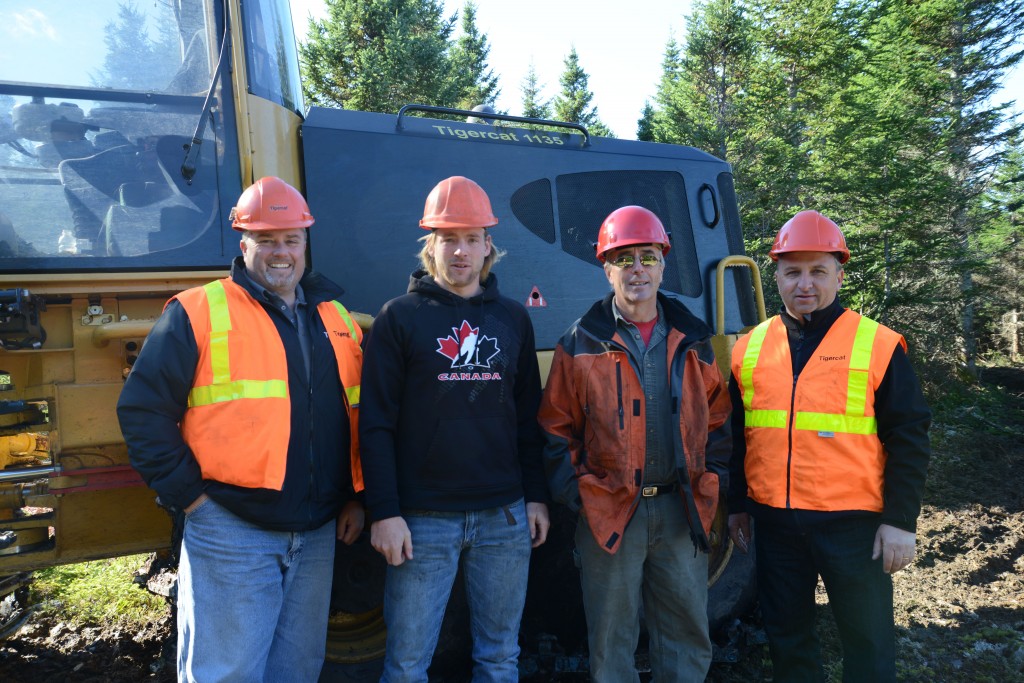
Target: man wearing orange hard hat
231 414
451 446
635 412
830 451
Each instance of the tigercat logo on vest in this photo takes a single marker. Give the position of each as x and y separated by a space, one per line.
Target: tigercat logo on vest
825 359
470 353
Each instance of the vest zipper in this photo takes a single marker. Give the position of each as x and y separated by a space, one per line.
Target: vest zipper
312 460
792 407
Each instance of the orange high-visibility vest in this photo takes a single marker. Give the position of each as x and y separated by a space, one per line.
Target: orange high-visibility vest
238 420
813 444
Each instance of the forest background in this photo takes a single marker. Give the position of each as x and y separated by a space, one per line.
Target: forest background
882 114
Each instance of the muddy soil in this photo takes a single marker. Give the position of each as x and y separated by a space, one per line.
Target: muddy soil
959 607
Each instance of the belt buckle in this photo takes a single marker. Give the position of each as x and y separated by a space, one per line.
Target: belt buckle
649 491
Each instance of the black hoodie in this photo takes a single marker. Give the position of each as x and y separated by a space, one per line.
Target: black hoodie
450 392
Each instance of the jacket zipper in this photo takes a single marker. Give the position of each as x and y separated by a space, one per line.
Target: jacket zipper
618 385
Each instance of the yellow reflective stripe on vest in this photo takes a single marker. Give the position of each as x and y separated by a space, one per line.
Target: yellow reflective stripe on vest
349 323
860 364
351 393
757 418
854 421
837 424
765 418
243 388
223 389
750 356
220 325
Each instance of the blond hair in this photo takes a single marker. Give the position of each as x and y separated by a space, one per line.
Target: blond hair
427 259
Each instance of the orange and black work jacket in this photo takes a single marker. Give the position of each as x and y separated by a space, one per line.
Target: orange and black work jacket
812 426
593 412
263 435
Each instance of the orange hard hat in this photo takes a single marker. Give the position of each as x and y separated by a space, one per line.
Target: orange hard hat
270 204
457 202
810 231
631 225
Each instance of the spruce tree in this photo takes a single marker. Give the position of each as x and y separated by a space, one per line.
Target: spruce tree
572 104
378 55
533 106
474 79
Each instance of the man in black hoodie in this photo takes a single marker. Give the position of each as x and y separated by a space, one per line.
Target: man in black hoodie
451 447
235 414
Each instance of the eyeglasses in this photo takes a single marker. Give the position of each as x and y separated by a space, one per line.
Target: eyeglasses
629 260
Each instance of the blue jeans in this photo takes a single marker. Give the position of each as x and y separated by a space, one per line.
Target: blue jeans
789 559
658 562
494 549
252 603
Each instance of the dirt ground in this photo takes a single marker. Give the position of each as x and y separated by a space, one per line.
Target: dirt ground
959 607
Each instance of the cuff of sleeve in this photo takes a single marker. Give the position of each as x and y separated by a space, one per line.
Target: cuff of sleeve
899 523
384 510
177 502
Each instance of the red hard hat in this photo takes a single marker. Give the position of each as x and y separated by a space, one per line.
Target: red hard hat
631 225
270 204
457 202
810 231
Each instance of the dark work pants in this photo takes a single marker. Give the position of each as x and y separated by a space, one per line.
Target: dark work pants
789 559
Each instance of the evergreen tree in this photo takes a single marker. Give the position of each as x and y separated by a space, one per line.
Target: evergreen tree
645 124
974 43
572 104
475 80
378 55
533 106
1000 314
700 86
134 60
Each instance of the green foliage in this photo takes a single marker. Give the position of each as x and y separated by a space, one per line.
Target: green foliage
645 124
134 59
93 593
572 104
378 55
879 115
475 80
533 106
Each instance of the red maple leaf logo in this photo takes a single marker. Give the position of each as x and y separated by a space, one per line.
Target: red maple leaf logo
450 346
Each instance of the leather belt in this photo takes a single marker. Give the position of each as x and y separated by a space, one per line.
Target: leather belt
651 491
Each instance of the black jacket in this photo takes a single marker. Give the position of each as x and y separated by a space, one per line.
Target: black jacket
903 419
318 478
450 392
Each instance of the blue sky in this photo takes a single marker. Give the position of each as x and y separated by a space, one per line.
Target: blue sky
620 50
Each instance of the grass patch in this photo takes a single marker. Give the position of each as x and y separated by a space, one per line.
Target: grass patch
96 593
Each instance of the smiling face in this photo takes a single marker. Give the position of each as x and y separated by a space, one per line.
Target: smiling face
808 281
636 286
458 257
276 259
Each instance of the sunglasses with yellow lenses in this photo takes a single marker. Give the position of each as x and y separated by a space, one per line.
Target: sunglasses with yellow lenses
629 260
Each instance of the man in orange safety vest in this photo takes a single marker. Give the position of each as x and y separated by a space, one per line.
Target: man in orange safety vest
830 451
233 415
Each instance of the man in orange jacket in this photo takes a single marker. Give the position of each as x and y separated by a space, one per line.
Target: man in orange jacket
635 412
232 413
830 452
